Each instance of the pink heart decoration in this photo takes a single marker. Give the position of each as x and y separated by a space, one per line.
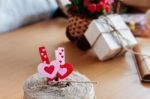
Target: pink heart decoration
64 71
49 70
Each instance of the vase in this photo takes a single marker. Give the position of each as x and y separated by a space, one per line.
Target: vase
77 25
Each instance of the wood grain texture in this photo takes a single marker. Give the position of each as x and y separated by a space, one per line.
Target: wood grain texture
19 59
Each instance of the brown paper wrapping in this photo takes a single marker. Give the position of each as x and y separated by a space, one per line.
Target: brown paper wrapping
142 66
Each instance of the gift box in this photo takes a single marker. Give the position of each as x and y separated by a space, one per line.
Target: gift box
82 12
108 36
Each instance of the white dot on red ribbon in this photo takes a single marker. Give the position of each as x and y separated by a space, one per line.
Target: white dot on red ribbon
42 54
45 56
44 61
43 50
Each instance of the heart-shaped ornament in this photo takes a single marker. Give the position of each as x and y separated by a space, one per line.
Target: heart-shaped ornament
64 71
49 70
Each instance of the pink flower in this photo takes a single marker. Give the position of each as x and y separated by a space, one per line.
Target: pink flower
92 8
107 5
107 8
97 7
100 6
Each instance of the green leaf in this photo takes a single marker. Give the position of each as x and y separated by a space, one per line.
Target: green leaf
76 2
68 5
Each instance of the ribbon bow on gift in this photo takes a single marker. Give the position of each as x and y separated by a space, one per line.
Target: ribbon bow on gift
56 69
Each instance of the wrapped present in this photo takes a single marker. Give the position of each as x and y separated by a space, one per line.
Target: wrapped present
108 36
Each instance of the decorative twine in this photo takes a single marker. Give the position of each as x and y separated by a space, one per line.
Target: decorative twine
118 37
61 84
94 82
69 81
36 87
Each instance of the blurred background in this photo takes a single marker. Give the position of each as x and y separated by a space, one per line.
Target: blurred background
27 24
17 13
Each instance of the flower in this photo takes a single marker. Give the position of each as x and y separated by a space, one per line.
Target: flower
107 8
92 8
100 6
106 5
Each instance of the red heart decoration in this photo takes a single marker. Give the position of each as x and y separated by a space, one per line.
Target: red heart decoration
49 69
60 61
62 56
64 71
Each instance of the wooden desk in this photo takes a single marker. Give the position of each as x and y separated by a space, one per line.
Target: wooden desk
19 59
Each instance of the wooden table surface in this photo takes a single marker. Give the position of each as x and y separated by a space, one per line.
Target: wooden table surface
19 59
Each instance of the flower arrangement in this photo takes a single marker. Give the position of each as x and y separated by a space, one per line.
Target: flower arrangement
82 12
90 8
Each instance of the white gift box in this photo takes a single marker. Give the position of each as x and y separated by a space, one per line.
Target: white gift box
103 38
